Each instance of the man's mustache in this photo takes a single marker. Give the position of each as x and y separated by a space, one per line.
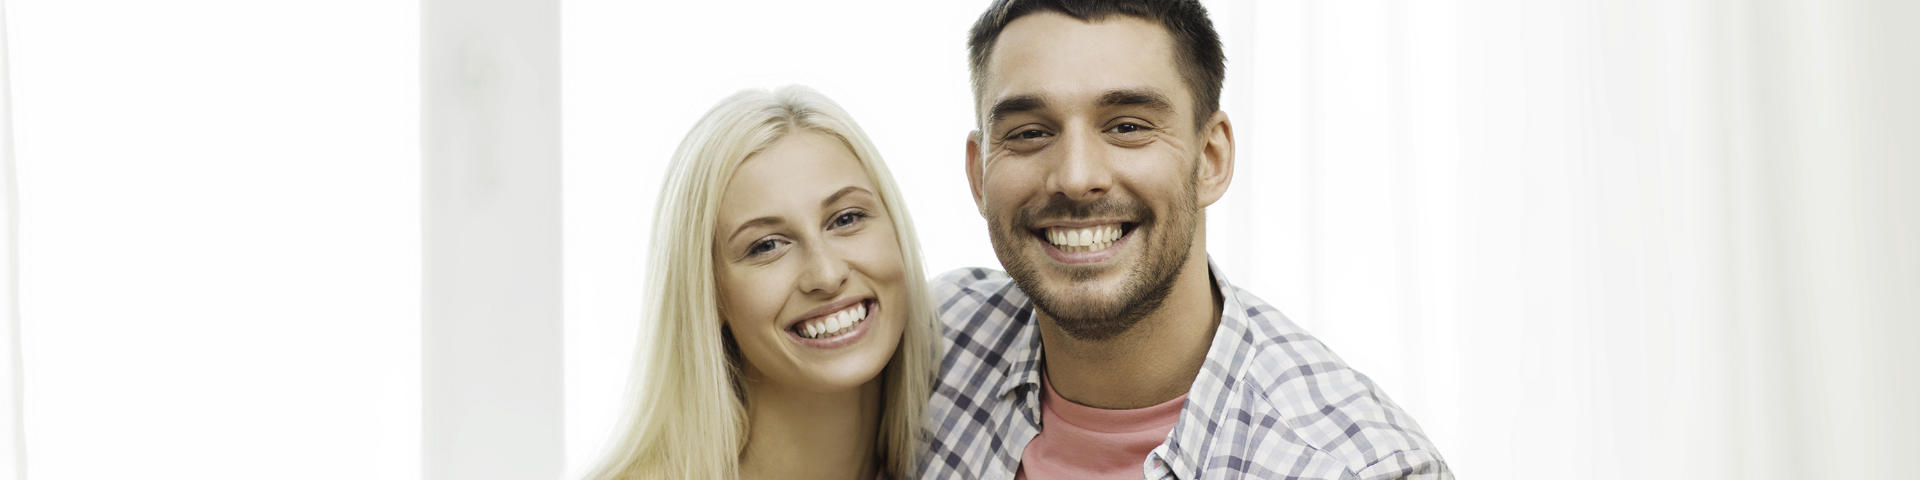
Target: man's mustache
1059 207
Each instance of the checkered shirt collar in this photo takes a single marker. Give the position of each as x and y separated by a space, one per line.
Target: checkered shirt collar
1230 342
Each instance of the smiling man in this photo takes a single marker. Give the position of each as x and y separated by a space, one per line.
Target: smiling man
1112 347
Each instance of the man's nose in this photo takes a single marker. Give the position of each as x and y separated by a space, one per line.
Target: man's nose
1082 171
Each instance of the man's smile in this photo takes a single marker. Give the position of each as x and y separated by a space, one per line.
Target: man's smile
1080 243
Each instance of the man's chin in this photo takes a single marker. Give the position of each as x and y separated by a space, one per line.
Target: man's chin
1082 279
1086 314
1081 287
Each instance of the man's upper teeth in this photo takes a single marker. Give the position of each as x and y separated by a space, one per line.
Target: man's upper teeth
1098 235
834 322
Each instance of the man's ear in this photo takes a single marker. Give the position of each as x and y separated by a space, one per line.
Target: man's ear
974 172
1216 159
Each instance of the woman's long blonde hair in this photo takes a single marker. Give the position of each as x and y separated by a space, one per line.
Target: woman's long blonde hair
684 417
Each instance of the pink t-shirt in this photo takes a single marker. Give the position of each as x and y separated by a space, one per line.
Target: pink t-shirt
1077 441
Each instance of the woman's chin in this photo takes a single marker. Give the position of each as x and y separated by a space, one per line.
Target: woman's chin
848 372
852 364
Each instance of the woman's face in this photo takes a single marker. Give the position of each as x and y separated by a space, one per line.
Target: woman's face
809 267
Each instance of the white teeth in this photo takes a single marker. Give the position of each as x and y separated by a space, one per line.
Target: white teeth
1084 239
835 323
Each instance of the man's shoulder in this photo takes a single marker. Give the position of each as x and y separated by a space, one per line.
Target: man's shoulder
974 281
981 318
1292 378
970 298
982 326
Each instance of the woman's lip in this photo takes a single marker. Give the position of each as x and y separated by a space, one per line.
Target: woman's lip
852 335
824 310
1083 258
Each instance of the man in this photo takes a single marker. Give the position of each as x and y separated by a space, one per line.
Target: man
1112 347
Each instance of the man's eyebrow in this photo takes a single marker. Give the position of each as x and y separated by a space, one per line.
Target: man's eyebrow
1012 105
758 222
1149 98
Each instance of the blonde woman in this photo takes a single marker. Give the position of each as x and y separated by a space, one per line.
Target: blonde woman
789 324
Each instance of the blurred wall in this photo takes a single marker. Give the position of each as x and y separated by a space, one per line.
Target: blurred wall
1595 239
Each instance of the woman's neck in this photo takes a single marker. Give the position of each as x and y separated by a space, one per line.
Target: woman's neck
802 434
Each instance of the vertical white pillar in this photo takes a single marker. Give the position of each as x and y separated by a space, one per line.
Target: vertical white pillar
13 448
491 331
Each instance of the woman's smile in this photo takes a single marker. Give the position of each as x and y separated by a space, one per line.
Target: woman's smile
837 328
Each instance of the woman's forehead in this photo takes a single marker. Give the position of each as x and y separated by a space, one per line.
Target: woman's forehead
793 175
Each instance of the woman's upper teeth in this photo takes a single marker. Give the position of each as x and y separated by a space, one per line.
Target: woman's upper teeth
834 322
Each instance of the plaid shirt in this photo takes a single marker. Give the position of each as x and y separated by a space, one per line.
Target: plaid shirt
1271 402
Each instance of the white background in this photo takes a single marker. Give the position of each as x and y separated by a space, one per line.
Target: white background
1575 238
219 237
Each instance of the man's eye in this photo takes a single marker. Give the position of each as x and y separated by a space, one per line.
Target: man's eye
1029 134
1126 128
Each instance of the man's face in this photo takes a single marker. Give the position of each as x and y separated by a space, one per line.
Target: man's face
1086 167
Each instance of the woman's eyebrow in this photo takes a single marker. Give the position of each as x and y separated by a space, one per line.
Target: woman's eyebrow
758 222
770 221
844 191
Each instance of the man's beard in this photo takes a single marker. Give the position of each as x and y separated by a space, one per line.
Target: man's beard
1096 317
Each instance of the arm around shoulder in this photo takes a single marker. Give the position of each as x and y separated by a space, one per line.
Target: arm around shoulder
1407 465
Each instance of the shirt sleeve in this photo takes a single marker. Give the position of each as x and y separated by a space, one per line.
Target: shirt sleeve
1407 465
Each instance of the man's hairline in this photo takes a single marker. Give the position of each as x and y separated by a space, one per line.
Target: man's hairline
978 73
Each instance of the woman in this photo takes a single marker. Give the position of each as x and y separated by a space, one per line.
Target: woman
790 326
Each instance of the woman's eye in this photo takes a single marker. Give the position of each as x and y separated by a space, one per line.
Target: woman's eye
762 247
848 218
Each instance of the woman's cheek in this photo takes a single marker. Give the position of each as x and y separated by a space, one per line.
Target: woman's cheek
750 297
881 252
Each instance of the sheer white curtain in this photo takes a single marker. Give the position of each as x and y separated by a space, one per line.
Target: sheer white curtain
1595 238
13 451
490 217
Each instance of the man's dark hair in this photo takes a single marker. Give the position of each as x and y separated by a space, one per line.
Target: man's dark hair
1196 46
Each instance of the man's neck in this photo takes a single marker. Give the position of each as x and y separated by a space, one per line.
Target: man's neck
799 434
1154 361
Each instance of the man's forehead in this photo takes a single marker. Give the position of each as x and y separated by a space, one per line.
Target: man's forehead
1059 58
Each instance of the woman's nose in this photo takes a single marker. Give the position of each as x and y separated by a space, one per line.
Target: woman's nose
825 273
